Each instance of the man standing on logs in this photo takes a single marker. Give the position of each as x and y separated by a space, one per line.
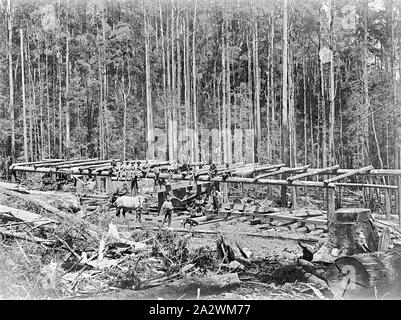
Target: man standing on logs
227 172
167 209
212 171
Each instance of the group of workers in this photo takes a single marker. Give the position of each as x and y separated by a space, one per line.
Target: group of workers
134 171
167 208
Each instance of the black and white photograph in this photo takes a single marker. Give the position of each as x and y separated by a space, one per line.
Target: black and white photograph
204 152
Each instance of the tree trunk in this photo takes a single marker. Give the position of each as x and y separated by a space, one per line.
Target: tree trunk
48 109
332 91
365 81
224 86
42 134
228 100
60 111
10 77
149 112
305 112
258 128
67 105
285 129
31 96
194 75
25 133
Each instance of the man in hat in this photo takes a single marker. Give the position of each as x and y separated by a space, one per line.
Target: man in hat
167 209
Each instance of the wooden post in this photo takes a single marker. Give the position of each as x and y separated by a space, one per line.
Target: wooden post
294 197
330 204
387 199
283 192
99 183
108 184
338 198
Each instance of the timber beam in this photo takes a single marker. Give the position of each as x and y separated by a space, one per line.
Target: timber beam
348 174
62 162
283 170
313 172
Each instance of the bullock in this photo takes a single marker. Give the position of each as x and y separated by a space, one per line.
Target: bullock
128 204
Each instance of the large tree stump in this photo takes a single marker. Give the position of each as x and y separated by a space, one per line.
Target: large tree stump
369 275
351 231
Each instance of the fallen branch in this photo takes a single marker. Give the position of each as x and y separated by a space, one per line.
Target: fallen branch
23 236
68 247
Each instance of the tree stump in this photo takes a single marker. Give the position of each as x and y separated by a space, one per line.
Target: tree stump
351 231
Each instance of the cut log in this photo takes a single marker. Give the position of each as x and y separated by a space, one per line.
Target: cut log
281 171
348 174
359 276
208 285
313 172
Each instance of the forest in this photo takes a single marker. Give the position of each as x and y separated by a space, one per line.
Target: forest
314 82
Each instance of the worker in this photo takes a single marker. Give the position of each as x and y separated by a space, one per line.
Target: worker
167 209
212 171
156 171
227 172
128 170
136 176
216 196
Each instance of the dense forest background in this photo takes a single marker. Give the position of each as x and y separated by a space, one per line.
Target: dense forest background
312 82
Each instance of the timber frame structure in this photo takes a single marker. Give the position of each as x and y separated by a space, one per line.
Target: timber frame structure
329 179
